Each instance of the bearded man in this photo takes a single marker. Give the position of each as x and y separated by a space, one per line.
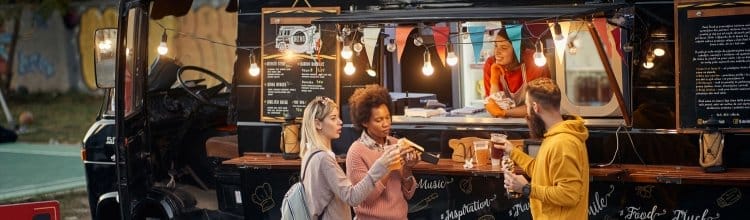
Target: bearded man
559 174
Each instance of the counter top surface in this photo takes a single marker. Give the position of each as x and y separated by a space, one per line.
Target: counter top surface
669 174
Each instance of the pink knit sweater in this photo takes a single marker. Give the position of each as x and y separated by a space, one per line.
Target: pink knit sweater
385 201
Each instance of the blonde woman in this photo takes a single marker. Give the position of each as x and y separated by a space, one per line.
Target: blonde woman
330 193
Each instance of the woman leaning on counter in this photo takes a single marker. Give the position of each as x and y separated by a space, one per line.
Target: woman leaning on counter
369 109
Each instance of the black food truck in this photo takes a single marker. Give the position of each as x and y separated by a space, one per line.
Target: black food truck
662 86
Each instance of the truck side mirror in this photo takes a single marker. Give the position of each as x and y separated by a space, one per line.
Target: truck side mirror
104 57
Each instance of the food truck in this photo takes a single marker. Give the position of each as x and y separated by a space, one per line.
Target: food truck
662 87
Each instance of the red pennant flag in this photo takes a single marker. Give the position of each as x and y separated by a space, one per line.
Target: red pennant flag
441 36
601 28
402 33
616 36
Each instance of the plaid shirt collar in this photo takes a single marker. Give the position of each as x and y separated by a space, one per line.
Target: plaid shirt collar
371 143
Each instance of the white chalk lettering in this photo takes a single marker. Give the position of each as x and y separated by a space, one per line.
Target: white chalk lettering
636 213
433 184
518 208
468 208
600 204
684 215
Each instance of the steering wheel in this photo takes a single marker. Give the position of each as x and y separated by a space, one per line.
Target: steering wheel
203 95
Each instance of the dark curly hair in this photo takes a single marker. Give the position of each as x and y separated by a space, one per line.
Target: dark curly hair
364 100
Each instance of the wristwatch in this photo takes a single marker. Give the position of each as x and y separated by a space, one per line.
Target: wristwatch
526 190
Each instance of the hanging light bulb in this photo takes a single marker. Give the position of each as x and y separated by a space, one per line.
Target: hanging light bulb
163 49
349 68
451 59
557 31
346 31
391 46
418 41
572 49
659 52
371 72
427 68
254 69
357 47
539 58
346 52
649 63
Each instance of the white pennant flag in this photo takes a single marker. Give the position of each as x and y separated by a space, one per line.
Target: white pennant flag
371 36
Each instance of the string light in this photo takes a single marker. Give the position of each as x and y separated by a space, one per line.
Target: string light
451 59
649 63
254 69
557 31
572 49
427 68
391 46
659 52
163 49
357 47
539 58
349 68
371 72
418 41
346 52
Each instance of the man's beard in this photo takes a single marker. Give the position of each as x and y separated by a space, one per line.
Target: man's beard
536 125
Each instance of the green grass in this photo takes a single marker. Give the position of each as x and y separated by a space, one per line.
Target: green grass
58 117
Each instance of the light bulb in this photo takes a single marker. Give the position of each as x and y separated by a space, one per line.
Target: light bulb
451 59
572 50
162 49
539 59
391 47
357 47
577 42
427 68
346 31
349 68
418 41
659 52
648 64
371 72
254 69
346 52
559 36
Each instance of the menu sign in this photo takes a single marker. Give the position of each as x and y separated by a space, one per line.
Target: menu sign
298 60
714 66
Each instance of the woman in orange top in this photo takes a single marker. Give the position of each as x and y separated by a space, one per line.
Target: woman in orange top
505 65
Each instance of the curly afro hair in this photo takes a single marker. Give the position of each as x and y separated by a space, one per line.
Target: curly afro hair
364 100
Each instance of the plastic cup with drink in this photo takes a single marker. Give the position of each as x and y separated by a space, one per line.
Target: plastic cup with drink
482 152
498 140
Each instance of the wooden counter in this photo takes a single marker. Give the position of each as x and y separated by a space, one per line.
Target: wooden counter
616 172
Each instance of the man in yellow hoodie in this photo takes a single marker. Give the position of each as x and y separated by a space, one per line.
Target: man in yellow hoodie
559 187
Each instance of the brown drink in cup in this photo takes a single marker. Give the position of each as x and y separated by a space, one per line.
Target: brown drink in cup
394 165
482 152
498 140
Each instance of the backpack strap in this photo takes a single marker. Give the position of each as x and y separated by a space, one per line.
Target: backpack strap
308 163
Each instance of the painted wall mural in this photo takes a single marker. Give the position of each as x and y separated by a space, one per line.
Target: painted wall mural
41 54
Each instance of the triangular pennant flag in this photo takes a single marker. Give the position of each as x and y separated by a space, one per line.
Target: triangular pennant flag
371 36
514 33
477 40
561 46
440 34
601 28
402 33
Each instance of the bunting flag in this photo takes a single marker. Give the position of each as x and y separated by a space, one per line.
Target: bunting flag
402 33
601 28
440 34
371 35
561 46
477 41
616 36
514 33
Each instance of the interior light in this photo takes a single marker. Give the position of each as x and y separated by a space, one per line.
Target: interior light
357 47
539 58
349 68
572 49
346 52
648 64
163 49
427 68
659 52
418 41
557 31
371 72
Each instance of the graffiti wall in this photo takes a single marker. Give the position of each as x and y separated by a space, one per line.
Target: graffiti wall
40 62
6 28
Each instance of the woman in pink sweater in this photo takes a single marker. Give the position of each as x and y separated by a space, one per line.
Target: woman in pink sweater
329 193
369 112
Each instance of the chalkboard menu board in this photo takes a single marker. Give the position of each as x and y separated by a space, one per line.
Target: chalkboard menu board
298 60
713 57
